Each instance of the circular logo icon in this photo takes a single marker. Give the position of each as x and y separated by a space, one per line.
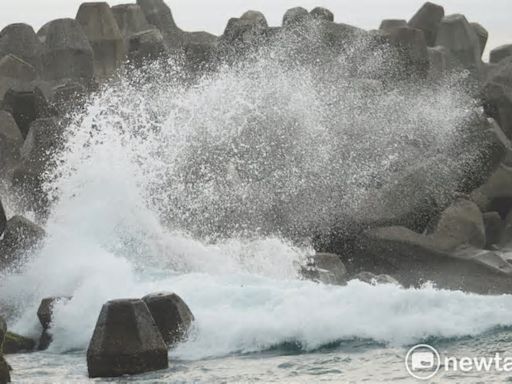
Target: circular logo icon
422 362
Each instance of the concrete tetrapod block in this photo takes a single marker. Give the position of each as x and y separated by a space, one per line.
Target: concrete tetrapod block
21 40
100 27
130 19
159 15
172 315
126 340
456 34
68 54
427 19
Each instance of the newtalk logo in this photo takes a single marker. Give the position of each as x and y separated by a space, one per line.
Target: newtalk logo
423 362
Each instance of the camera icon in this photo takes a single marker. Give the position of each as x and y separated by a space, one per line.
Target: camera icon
422 362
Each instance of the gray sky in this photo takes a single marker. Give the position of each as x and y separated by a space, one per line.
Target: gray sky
212 15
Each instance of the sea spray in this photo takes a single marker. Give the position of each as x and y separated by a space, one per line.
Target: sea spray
211 187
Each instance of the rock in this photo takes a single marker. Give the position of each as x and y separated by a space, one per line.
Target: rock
414 259
45 316
159 15
482 34
427 19
294 16
11 141
462 223
171 314
20 236
25 107
43 139
21 41
126 340
370 278
500 53
413 51
68 54
255 18
18 344
130 19
326 268
389 24
321 13
456 34
146 46
100 27
494 227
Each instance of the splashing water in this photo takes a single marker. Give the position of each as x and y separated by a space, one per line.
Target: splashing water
211 188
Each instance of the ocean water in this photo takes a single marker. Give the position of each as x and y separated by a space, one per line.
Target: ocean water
212 189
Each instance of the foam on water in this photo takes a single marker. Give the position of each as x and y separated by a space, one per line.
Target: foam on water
197 188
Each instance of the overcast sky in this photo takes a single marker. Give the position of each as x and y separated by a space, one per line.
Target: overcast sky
212 15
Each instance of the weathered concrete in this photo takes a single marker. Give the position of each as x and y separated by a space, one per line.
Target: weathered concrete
500 53
389 24
427 19
3 219
15 74
68 54
414 259
130 19
482 34
18 344
21 41
45 316
126 340
68 97
321 13
373 279
146 46
462 223
43 139
159 14
295 16
457 34
496 193
25 107
20 237
494 227
172 316
438 63
100 27
413 51
11 141
255 17
326 268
